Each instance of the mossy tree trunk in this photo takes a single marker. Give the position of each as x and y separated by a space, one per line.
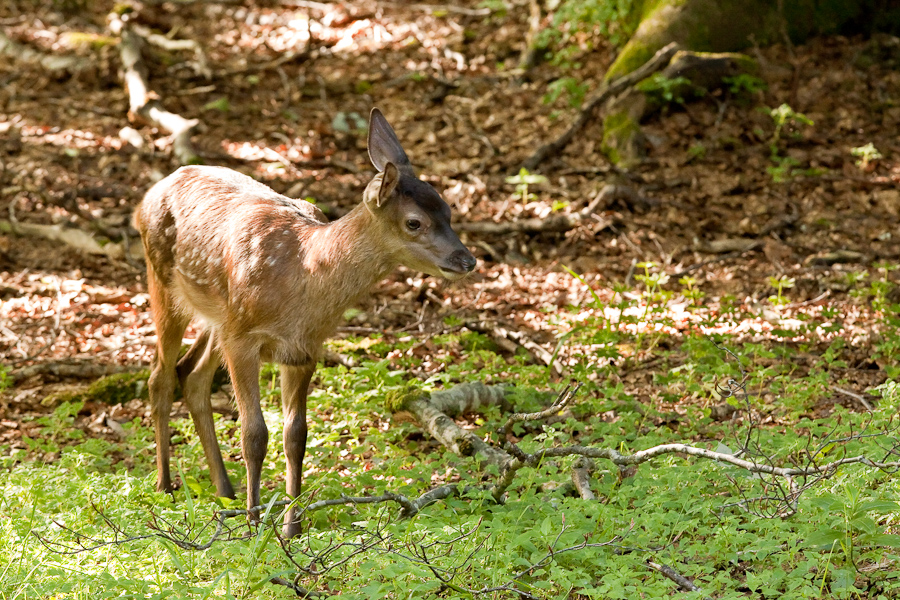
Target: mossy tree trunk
722 26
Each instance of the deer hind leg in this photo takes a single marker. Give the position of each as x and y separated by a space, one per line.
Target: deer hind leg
243 361
196 370
294 388
170 325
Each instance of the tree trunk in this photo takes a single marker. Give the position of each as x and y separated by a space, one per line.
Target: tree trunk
719 26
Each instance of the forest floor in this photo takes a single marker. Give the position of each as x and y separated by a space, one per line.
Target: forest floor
716 207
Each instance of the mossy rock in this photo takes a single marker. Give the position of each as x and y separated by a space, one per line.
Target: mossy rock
112 389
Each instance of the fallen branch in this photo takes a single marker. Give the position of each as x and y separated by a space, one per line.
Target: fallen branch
609 89
143 105
581 478
858 397
791 481
683 582
48 62
470 397
201 64
88 369
443 428
74 238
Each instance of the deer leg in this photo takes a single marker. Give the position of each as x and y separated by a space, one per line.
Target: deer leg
196 370
243 366
294 387
170 325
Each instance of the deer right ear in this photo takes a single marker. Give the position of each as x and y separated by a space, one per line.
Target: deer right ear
384 147
389 179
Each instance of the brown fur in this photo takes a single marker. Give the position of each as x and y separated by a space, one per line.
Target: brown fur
271 279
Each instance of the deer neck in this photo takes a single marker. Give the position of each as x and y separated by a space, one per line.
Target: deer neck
349 256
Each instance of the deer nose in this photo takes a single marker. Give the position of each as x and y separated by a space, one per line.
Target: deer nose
464 260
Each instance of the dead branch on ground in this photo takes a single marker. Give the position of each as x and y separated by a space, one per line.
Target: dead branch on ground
48 62
783 485
443 428
201 62
86 369
143 104
683 582
73 237
607 91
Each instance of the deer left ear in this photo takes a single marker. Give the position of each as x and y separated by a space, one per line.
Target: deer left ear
389 179
384 147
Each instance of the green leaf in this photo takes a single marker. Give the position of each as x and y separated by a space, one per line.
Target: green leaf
879 506
823 540
891 540
221 105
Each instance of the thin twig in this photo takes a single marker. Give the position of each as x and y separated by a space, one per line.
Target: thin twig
861 399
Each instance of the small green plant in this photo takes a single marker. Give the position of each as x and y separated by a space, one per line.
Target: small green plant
849 524
866 155
784 168
784 117
744 83
689 291
568 86
780 284
524 179
572 19
220 104
349 122
6 380
696 152
664 89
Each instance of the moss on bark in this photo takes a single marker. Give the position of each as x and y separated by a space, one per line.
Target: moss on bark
112 389
728 25
623 141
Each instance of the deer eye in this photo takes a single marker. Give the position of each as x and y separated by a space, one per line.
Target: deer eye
413 224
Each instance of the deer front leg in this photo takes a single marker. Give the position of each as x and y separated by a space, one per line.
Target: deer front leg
196 370
243 366
294 387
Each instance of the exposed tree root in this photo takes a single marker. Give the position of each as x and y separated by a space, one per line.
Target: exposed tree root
610 89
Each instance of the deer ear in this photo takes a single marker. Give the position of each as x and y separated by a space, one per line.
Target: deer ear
384 147
389 180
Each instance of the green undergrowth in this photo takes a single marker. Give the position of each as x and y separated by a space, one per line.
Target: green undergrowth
79 517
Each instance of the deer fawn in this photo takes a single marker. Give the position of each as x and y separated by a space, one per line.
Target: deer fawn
271 279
